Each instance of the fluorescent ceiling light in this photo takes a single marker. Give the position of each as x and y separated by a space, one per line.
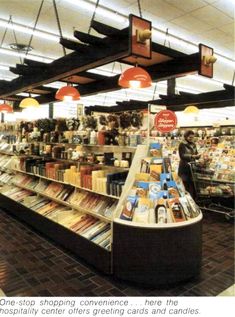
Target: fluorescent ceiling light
28 30
4 67
100 10
104 72
205 80
33 57
25 94
8 78
56 84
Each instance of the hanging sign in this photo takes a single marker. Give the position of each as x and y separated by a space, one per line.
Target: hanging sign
206 61
165 121
137 47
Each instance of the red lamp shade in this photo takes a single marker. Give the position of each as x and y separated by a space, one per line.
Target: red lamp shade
4 107
67 93
135 77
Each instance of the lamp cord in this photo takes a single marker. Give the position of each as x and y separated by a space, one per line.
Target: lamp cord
233 78
34 27
58 23
139 6
167 38
125 89
93 16
106 93
155 88
4 35
5 32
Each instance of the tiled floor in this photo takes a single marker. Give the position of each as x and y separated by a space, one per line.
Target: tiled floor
31 265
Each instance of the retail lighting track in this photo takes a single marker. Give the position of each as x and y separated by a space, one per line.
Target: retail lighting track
92 52
105 12
216 99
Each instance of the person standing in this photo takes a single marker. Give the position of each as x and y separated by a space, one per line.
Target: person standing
187 153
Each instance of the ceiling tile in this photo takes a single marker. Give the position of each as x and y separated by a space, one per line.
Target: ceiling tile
191 23
227 7
161 8
228 28
212 16
188 5
215 34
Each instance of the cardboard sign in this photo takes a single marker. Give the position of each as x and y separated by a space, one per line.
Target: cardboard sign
165 121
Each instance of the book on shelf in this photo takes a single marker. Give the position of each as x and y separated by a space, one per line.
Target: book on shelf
53 189
101 236
94 230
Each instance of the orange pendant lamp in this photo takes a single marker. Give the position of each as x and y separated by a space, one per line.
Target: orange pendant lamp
135 77
4 107
67 93
29 103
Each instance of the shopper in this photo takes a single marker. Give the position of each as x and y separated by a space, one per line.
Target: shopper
188 153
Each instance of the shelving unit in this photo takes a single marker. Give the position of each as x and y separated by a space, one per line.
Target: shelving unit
136 248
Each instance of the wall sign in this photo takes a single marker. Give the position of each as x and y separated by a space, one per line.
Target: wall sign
165 121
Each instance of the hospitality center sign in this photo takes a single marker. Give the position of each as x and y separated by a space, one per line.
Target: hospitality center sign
165 121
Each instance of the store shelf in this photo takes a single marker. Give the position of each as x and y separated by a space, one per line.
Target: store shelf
92 253
75 186
64 203
157 255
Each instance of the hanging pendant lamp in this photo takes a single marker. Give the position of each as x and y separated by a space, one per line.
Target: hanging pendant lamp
135 77
191 110
67 93
4 107
29 103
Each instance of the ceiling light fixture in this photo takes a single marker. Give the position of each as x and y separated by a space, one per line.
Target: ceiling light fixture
67 93
101 10
135 77
28 30
191 110
29 103
33 57
5 108
20 47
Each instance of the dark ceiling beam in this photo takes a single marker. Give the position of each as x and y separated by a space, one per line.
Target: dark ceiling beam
88 38
206 105
120 107
177 67
109 30
32 63
106 85
203 98
92 75
25 70
68 65
73 45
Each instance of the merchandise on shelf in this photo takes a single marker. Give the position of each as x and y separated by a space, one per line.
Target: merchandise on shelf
157 195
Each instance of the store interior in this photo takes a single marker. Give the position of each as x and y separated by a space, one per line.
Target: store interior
89 184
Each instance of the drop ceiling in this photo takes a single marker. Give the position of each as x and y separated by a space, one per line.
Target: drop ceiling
188 23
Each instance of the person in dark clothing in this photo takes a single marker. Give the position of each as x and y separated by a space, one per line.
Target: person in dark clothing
188 153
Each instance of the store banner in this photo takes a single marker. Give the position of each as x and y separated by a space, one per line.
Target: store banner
165 121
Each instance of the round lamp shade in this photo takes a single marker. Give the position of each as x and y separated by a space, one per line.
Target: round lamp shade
4 107
191 110
29 103
67 93
135 77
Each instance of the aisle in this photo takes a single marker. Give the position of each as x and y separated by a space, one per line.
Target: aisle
31 265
